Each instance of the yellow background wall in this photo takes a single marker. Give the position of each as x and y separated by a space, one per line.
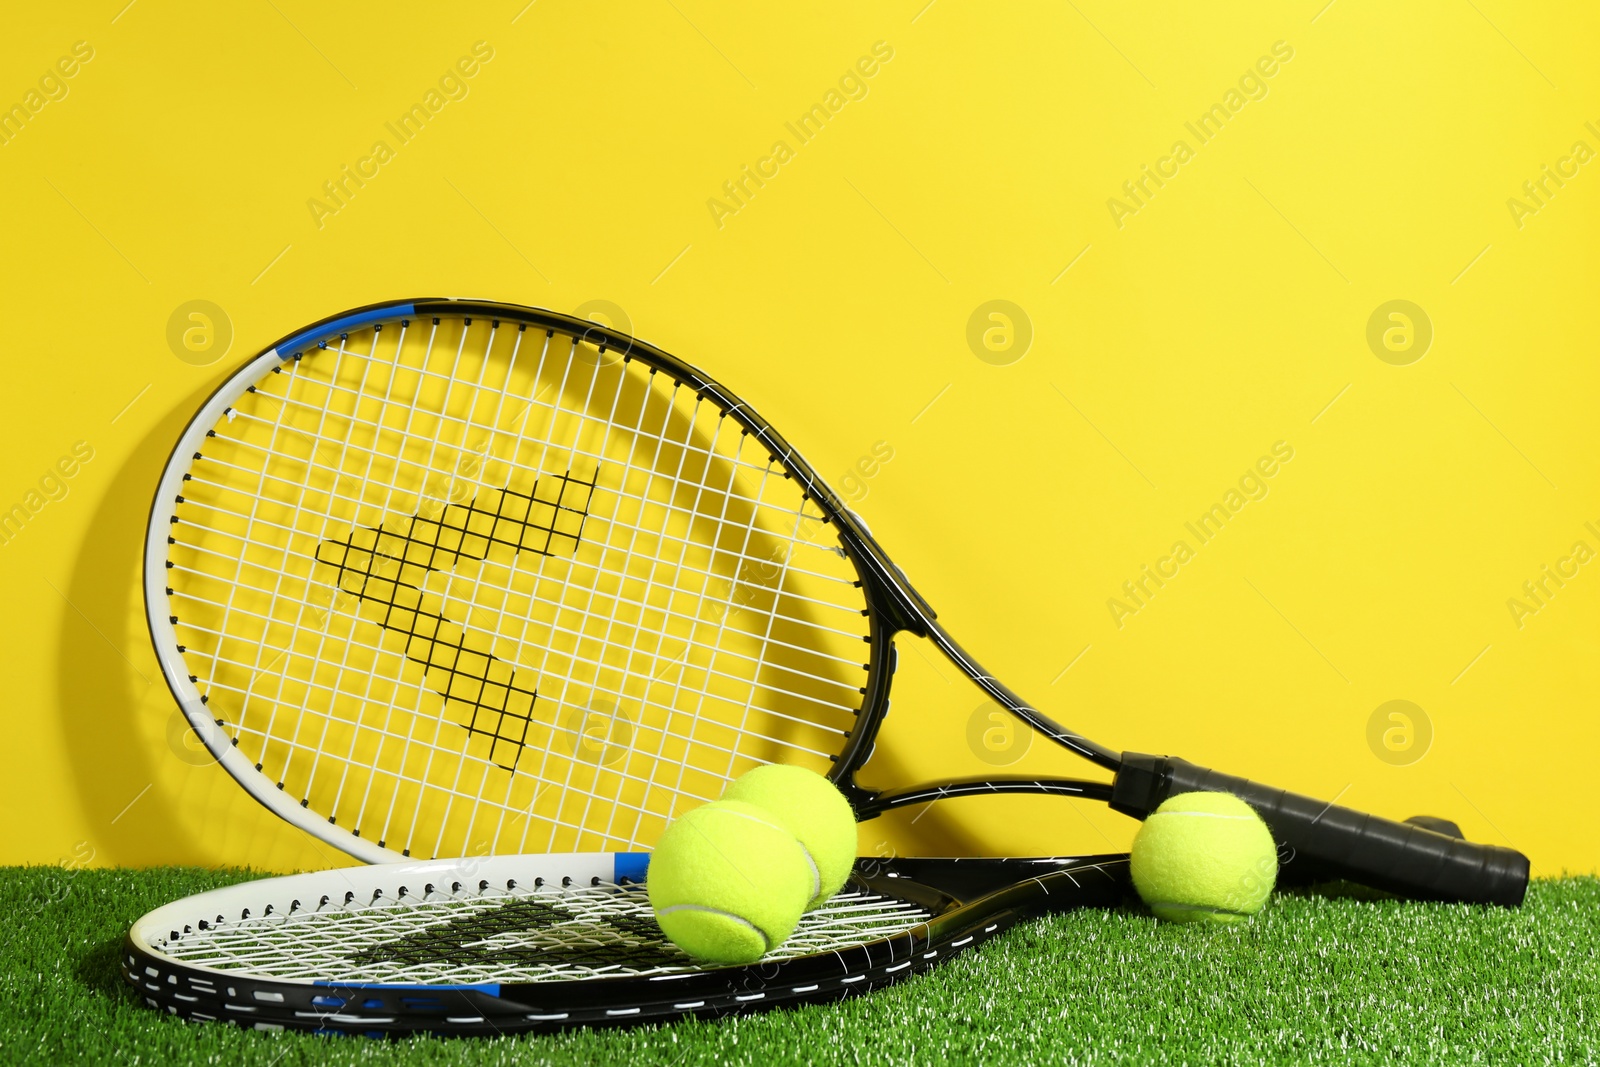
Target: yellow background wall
1176 337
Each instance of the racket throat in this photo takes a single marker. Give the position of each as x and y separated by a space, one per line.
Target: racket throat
1143 781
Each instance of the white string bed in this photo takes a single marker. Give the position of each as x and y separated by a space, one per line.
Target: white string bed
385 641
532 934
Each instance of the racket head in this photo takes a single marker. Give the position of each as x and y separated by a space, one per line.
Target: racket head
515 943
439 577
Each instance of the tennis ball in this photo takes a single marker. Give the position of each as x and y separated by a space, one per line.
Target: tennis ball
1204 857
728 883
814 811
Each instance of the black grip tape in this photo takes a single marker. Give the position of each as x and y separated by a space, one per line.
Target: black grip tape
1401 858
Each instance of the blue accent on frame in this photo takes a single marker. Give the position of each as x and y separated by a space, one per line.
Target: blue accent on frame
631 865
491 988
300 342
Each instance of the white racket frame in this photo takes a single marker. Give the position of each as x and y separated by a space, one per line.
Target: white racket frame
228 904
165 637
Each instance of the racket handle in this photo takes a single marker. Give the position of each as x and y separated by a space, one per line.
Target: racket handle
1400 858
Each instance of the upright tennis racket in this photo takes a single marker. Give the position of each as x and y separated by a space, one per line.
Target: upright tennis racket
448 577
510 943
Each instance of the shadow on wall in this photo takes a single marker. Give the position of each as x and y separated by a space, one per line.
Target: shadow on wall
146 797
151 794
106 674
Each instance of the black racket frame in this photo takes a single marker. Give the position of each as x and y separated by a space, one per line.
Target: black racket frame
1402 858
970 900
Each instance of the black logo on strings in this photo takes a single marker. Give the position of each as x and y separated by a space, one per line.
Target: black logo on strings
533 933
385 566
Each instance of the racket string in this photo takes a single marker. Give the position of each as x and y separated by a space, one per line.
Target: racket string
318 763
792 520
598 457
409 742
802 518
628 552
761 648
450 797
554 408
233 587
599 572
677 788
610 425
378 650
499 406
499 935
348 760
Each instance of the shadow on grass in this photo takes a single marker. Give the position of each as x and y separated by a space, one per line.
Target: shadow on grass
1337 891
99 969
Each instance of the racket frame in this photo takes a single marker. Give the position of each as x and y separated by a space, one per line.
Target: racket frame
970 901
168 494
894 606
1401 858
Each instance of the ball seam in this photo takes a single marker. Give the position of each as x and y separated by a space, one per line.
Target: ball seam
741 920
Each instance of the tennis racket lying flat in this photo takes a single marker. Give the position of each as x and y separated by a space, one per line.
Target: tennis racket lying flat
449 577
540 942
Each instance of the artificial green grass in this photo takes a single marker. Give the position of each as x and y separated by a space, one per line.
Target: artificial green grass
1319 977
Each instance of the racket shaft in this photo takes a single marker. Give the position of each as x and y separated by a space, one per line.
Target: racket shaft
1400 858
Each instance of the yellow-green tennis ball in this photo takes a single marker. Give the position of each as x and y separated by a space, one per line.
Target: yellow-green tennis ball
814 811
1204 857
727 882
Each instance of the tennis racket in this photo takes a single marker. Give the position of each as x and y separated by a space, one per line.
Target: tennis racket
511 943
449 577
